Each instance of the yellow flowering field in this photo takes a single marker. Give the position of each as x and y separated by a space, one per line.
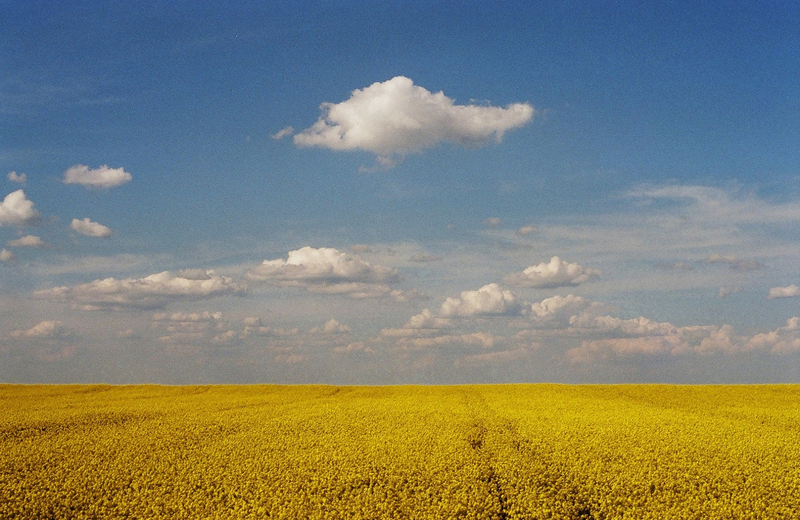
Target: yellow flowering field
415 452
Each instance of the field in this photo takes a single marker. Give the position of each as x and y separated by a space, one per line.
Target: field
489 452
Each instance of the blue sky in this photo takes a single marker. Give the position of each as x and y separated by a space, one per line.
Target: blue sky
399 192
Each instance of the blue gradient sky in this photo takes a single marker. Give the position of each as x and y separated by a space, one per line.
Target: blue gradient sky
660 166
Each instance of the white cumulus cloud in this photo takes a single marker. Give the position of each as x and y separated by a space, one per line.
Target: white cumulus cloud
19 178
790 291
26 241
151 292
489 300
45 329
90 229
556 273
397 117
7 256
328 271
783 340
102 177
17 210
331 326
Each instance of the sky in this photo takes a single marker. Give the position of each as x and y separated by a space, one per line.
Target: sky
399 192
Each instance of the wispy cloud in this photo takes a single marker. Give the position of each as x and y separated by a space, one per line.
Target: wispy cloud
151 292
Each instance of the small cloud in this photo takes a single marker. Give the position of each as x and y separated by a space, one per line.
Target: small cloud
734 263
422 258
556 273
677 266
727 291
489 300
19 178
749 265
790 291
44 329
327 271
721 259
526 230
7 256
16 210
26 241
493 221
102 177
396 117
283 132
331 327
90 229
353 348
360 248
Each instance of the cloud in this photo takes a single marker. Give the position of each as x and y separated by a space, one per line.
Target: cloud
193 328
424 322
26 241
493 221
331 327
556 273
526 230
90 229
489 300
327 271
152 292
283 132
102 177
16 210
423 258
7 256
676 266
790 291
734 263
44 329
727 291
497 357
592 350
783 340
396 117
714 204
558 310
19 178
479 339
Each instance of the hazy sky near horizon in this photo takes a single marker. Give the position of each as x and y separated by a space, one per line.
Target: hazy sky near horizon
399 192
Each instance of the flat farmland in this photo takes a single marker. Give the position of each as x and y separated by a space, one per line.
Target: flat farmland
415 452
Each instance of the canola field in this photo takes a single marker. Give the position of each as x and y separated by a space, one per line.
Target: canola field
410 452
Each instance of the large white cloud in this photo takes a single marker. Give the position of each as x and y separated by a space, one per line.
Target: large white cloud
397 117
90 228
329 271
489 300
102 177
556 273
17 210
151 292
